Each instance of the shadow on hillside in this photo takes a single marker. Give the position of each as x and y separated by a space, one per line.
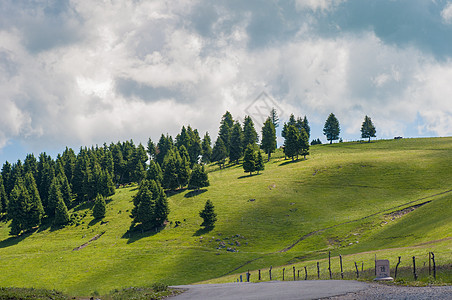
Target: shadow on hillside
248 175
202 231
94 222
290 162
14 240
136 233
84 205
195 193
170 193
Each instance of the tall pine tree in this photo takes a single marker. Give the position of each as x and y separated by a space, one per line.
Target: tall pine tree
268 142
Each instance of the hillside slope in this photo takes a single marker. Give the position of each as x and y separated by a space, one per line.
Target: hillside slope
337 200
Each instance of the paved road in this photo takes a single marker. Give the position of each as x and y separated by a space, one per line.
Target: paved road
310 289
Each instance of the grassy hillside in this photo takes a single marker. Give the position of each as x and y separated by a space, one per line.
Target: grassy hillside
337 200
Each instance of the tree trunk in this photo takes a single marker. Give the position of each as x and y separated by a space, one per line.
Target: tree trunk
269 153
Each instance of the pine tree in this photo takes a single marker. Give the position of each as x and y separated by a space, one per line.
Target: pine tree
303 143
331 128
6 173
99 208
18 207
206 149
161 209
219 152
164 145
154 172
152 150
249 160
368 129
250 136
268 142
183 172
291 141
208 215
236 147
61 214
274 118
53 198
35 210
3 197
259 162
170 171
226 124
198 178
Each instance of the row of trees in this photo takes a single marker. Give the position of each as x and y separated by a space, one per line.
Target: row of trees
331 129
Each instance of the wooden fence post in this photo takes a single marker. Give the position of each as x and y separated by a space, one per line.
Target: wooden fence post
429 263
248 275
414 268
298 274
270 273
318 271
293 273
283 270
357 271
398 263
342 270
305 273
329 264
259 274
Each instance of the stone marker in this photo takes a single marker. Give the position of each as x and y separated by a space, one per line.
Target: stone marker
382 268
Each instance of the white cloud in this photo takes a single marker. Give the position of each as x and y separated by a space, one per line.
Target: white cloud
446 13
314 5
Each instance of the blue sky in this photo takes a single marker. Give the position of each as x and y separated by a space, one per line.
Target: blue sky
82 72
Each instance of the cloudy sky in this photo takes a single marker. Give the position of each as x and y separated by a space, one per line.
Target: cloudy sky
84 72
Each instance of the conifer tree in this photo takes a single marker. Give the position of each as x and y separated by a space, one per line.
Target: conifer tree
194 149
236 147
6 173
208 215
3 197
183 166
219 152
303 143
268 142
99 208
152 150
206 149
170 170
161 209
18 207
225 130
274 117
249 160
154 172
53 198
61 214
250 136
164 145
35 210
198 178
291 141
368 128
259 162
331 128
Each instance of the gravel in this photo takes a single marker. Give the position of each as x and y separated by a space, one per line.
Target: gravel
382 291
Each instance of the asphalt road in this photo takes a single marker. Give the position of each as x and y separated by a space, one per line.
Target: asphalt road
310 289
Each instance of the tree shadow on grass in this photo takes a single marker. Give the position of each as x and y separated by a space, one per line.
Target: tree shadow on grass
290 162
94 222
202 231
84 205
136 233
246 176
14 240
170 193
195 193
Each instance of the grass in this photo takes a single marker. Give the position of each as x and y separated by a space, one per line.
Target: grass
339 198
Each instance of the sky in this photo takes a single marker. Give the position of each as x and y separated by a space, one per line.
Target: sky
84 72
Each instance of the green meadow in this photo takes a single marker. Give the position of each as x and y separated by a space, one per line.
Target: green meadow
387 198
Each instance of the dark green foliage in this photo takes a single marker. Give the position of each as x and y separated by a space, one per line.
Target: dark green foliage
171 165
198 178
13 293
3 197
35 210
68 159
249 160
303 143
316 142
206 149
150 205
183 167
259 162
236 147
138 168
331 128
208 215
46 174
154 172
268 142
304 124
6 173
164 145
152 149
368 129
61 214
219 152
17 171
53 198
291 141
99 208
274 117
195 148
31 165
250 136
225 130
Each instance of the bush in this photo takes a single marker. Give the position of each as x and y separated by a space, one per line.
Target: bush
159 287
